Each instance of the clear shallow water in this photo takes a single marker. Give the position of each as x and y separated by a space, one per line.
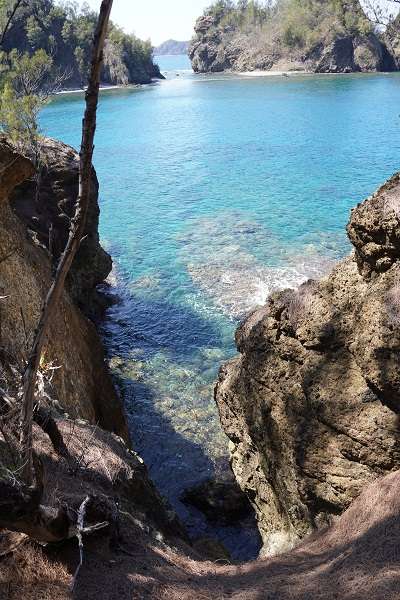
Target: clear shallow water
214 191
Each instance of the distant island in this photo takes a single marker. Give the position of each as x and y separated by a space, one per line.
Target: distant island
322 36
171 47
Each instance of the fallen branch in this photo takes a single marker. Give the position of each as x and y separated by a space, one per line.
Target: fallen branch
81 530
81 518
21 511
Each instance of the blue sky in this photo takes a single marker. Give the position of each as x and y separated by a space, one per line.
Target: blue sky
160 19
157 19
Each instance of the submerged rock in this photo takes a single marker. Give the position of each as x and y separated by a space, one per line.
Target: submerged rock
312 404
220 501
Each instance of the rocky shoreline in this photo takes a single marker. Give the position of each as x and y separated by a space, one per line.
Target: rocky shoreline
77 389
311 409
221 44
311 404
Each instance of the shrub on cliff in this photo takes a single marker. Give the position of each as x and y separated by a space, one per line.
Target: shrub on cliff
65 33
302 24
312 35
293 23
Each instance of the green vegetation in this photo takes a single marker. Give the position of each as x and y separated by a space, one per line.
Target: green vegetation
303 24
25 87
65 32
292 23
242 14
45 46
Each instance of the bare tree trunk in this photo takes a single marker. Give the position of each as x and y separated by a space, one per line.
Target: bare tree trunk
11 15
76 234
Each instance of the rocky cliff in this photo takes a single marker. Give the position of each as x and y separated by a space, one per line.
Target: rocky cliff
392 37
78 463
47 218
321 37
33 232
312 403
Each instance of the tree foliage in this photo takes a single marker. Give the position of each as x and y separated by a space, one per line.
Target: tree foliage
27 83
291 23
64 30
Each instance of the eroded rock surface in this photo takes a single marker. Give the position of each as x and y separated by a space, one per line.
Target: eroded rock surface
221 44
48 218
374 229
311 406
80 383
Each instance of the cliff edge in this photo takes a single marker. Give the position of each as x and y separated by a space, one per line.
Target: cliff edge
33 233
319 37
312 404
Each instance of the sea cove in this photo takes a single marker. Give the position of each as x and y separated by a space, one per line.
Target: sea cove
215 190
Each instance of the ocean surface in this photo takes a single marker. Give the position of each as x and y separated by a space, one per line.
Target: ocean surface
216 190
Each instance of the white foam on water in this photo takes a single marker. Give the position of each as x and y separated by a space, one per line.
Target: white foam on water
236 292
112 278
219 253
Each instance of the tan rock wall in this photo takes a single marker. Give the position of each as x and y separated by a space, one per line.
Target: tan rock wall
311 405
81 384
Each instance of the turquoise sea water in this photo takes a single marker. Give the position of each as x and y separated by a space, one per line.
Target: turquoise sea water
171 64
214 191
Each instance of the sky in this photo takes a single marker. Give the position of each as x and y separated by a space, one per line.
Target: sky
159 20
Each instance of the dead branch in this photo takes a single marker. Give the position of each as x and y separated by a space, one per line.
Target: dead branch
21 511
81 530
76 234
11 16
80 524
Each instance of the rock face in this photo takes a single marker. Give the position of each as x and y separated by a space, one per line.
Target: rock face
350 54
48 218
312 404
392 37
81 384
221 46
